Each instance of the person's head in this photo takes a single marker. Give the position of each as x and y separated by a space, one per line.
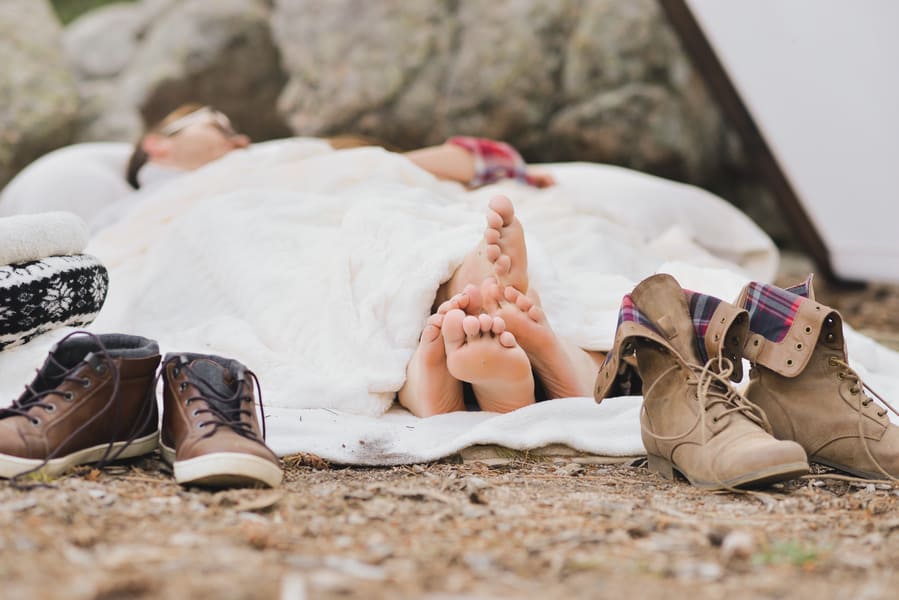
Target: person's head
187 138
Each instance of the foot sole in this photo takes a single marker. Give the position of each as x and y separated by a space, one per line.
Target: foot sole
762 477
224 469
10 466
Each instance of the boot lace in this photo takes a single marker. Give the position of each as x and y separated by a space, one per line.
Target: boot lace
34 399
712 389
226 411
860 390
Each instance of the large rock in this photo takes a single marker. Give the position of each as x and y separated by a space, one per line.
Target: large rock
599 80
100 43
38 98
219 53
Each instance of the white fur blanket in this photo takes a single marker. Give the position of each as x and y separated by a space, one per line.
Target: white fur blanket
317 269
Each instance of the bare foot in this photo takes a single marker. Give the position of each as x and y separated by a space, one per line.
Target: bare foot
564 369
430 389
501 253
480 351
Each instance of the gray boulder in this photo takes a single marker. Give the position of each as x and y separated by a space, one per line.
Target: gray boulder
601 80
219 53
38 98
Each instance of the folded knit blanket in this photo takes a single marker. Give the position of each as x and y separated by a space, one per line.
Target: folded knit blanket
32 237
40 295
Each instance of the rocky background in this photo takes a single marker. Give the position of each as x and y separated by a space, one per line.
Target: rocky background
595 80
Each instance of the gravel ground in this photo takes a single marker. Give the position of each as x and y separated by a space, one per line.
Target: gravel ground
521 528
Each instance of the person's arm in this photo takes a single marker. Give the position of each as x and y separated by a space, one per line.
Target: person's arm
478 161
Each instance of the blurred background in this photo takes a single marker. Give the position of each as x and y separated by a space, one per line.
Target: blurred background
593 80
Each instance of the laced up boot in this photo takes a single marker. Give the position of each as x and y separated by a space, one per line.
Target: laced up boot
91 401
210 433
683 347
801 378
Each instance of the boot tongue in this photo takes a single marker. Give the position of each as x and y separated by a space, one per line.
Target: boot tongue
211 376
60 360
661 299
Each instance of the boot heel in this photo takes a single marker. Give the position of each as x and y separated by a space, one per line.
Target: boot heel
659 465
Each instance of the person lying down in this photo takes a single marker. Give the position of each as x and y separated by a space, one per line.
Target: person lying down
194 135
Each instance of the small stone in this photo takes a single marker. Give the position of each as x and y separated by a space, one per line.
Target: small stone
738 544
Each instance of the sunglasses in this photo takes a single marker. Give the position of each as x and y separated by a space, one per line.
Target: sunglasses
202 116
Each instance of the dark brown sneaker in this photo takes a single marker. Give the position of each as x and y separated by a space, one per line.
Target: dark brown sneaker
210 433
93 400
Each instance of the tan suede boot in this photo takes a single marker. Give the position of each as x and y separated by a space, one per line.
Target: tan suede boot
802 380
693 421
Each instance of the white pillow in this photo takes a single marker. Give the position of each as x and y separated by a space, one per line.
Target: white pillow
84 179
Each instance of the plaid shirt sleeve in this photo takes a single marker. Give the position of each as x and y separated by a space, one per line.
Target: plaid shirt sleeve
493 160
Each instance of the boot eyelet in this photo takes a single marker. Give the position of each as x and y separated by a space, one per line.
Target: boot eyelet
881 414
201 425
854 390
85 383
50 408
755 342
808 329
35 421
183 386
195 413
830 337
100 369
717 337
176 371
789 362
69 396
799 346
840 375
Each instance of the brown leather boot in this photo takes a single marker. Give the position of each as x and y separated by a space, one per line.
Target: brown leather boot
801 378
693 421
91 401
209 428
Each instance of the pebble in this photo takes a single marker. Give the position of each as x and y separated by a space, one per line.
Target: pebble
738 544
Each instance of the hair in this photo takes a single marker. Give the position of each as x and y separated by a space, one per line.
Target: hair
139 157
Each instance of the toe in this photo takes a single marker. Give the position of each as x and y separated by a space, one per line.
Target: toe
475 299
498 326
503 264
453 332
430 334
492 236
486 322
502 207
493 252
523 303
507 340
494 220
472 327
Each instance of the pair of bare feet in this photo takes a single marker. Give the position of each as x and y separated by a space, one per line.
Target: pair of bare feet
490 330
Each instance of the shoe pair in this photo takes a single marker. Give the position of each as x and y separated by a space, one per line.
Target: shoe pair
682 350
94 400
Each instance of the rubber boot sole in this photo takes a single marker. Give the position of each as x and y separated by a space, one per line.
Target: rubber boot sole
876 476
10 466
224 469
762 477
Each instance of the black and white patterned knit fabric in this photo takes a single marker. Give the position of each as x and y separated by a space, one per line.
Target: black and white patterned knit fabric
41 295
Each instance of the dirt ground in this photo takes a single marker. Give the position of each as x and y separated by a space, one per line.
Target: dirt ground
524 527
